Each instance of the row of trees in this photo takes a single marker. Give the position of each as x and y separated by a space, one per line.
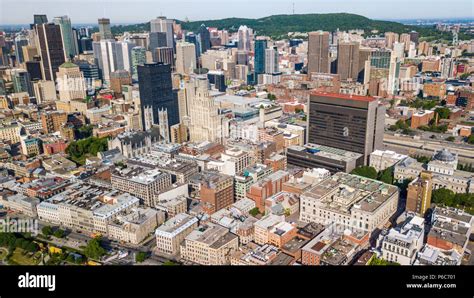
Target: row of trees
385 176
448 198
13 240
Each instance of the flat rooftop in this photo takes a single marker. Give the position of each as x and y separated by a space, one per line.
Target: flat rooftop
344 96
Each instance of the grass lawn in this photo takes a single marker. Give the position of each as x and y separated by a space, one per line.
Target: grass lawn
20 257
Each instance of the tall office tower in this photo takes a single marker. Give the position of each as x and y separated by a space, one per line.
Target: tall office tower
51 49
122 53
91 73
22 81
218 79
192 38
162 24
68 38
157 40
39 19
364 55
156 92
318 52
164 55
348 60
259 60
204 39
71 84
20 43
104 59
414 37
390 39
185 57
104 29
349 122
405 38
29 52
34 69
399 50
244 38
271 60
242 57
138 58
205 122
447 67
419 194
224 36
85 45
380 58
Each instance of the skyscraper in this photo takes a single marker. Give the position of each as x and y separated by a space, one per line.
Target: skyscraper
185 57
157 40
259 61
348 60
271 60
349 122
156 93
21 81
20 42
164 55
162 24
71 82
39 19
51 49
192 38
68 38
244 38
318 52
204 39
138 58
414 37
104 29
111 55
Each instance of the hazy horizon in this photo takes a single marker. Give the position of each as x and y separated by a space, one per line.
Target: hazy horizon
126 12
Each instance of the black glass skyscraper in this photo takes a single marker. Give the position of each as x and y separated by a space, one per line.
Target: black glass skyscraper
260 47
205 38
156 91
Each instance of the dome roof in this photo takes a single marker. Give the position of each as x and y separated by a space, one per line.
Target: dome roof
444 155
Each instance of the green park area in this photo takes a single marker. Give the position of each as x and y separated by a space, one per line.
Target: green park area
22 257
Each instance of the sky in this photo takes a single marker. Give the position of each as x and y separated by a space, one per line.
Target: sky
136 11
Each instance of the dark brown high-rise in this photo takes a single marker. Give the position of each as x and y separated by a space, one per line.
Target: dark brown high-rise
318 52
51 49
348 60
349 122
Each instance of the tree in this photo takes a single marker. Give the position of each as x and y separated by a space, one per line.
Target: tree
381 262
450 139
94 250
365 171
470 139
254 211
443 196
386 176
140 256
59 233
47 231
443 113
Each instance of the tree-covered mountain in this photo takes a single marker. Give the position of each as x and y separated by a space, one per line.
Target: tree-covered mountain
280 25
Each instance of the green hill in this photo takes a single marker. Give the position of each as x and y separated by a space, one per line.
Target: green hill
279 25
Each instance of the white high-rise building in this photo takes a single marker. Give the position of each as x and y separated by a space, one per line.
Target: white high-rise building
111 55
271 60
185 57
244 38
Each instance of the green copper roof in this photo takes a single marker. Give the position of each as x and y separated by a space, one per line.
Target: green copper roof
68 65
